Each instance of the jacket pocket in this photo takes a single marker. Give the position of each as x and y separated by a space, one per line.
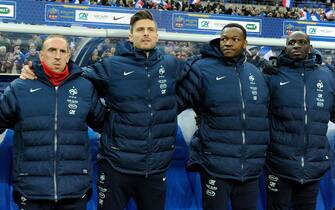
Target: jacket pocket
109 137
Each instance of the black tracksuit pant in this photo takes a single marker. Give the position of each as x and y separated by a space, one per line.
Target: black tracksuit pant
115 189
216 193
64 204
285 194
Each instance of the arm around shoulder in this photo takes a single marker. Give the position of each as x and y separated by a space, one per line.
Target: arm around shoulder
8 108
189 87
99 74
97 114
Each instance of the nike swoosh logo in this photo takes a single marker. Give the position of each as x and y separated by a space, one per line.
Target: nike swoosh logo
284 83
118 18
127 73
220 78
34 90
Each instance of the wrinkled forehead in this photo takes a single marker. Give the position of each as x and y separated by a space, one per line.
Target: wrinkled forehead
145 23
55 42
297 37
232 32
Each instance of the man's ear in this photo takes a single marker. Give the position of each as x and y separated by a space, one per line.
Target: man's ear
41 54
68 57
130 36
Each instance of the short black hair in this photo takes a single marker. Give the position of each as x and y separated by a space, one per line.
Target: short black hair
140 15
235 25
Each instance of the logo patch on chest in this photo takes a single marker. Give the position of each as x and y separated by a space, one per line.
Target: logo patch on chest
72 100
162 81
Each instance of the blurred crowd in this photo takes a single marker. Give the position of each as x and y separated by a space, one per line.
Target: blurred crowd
219 7
18 49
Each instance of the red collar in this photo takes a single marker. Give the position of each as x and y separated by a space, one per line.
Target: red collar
55 77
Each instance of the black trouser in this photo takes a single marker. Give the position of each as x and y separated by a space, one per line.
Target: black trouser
216 193
64 204
115 189
284 194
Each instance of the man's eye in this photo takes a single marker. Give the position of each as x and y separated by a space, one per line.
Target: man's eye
291 43
303 42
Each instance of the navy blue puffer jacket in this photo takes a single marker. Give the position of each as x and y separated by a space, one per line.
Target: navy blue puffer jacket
140 93
232 98
302 103
51 154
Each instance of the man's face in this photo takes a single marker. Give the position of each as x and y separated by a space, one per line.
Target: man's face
297 46
55 54
144 35
232 42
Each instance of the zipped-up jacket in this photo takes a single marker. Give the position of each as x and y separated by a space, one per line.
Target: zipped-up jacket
140 94
302 103
51 153
232 100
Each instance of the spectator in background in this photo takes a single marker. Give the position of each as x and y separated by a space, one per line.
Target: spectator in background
329 60
4 41
3 59
18 60
32 54
108 52
302 103
50 117
36 40
95 56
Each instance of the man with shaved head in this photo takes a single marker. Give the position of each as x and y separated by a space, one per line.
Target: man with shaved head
301 104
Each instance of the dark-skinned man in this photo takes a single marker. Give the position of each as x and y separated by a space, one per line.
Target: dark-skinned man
232 98
302 103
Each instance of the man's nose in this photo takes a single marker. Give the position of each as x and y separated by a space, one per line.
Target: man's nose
58 55
228 42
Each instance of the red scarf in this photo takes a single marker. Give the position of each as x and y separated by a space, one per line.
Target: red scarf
55 77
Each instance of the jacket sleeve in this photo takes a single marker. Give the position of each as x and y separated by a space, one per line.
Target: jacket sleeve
99 75
189 86
96 116
8 108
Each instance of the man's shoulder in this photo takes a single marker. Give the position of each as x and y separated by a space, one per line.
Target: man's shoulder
200 60
251 66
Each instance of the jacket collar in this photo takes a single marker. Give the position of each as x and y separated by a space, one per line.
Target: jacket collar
127 49
287 61
212 49
74 70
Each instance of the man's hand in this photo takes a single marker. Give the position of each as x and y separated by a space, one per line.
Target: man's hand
27 72
197 118
270 67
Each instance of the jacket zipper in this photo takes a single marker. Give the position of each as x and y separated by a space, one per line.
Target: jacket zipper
150 110
55 146
243 117
305 125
